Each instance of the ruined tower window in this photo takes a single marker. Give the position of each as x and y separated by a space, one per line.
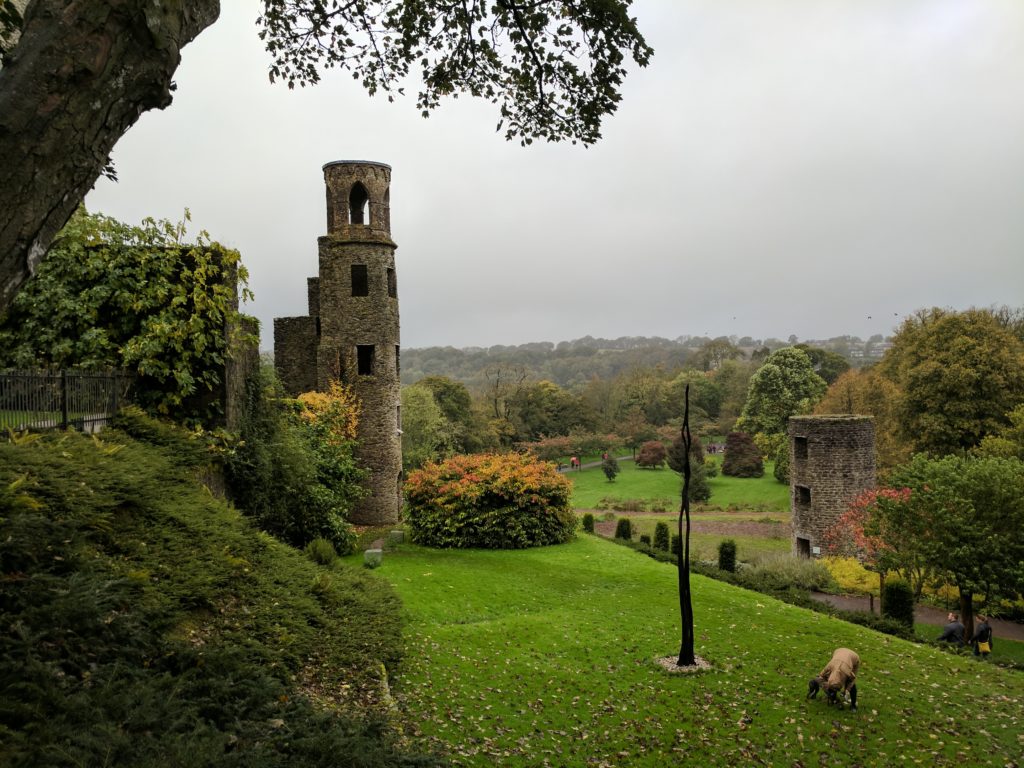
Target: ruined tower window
803 495
364 359
799 448
392 284
803 547
360 280
318 327
358 205
398 365
398 417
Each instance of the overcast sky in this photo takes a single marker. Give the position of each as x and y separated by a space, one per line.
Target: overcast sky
811 168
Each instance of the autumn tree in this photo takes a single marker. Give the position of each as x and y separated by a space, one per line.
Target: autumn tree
965 515
76 77
652 454
867 393
959 375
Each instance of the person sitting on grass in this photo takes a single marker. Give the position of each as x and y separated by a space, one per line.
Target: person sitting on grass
838 678
953 632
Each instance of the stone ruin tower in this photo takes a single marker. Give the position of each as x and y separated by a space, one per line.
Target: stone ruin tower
831 461
351 332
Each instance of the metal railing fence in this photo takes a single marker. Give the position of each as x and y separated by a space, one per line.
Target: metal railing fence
41 400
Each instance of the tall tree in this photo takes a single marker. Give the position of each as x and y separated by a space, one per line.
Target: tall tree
960 374
784 386
80 74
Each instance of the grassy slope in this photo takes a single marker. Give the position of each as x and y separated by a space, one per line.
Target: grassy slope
545 657
146 623
590 486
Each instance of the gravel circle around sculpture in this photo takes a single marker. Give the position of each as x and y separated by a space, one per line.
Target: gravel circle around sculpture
668 663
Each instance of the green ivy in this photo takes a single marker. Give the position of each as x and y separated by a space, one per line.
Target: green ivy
112 295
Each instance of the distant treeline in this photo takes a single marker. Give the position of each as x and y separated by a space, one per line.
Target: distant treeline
571 364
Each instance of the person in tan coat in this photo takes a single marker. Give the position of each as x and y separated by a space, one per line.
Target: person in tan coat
838 676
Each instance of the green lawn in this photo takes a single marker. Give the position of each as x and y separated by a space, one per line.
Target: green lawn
546 657
591 486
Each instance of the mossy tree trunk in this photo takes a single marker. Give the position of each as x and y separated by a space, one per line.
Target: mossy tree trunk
78 77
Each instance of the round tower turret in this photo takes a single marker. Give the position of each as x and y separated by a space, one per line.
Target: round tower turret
358 325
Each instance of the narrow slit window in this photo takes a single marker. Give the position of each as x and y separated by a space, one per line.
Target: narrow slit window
398 363
364 359
392 284
803 495
360 280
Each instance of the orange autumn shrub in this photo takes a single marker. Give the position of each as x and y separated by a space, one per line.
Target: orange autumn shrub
489 501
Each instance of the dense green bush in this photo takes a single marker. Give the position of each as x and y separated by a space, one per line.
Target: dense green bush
742 456
321 551
727 555
624 529
289 474
645 539
781 470
677 545
661 535
898 601
610 467
490 501
588 522
148 624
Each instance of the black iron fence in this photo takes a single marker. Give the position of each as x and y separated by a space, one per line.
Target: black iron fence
40 400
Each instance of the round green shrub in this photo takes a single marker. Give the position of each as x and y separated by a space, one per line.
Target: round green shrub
661 536
489 501
645 539
624 529
727 555
898 602
588 522
322 551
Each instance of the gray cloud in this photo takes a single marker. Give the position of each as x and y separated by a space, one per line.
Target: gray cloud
795 166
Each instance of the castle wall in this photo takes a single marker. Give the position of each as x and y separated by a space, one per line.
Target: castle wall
295 353
832 460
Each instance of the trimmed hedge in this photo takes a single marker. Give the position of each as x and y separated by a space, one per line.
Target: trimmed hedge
489 501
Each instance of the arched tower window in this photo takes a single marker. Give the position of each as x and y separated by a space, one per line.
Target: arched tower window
387 209
358 205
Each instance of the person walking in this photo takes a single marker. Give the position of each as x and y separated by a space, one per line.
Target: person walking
953 632
982 639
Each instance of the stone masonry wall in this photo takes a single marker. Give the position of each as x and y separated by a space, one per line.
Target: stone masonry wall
295 353
832 460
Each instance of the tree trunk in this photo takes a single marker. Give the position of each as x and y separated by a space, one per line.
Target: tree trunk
80 75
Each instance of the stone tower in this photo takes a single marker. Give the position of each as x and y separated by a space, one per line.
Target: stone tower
351 332
831 461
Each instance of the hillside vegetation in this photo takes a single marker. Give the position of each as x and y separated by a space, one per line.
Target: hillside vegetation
144 622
